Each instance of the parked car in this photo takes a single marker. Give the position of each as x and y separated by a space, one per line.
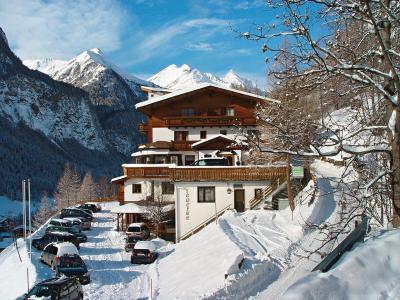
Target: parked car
94 207
76 231
52 252
130 242
73 266
75 212
60 223
65 288
84 224
51 237
86 210
212 161
139 230
144 252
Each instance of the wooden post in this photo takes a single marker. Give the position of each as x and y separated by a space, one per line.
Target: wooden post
117 222
289 185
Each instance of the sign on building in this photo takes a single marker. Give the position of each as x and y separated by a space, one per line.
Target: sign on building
297 171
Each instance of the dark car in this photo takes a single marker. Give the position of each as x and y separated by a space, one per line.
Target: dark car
57 289
75 212
73 266
91 206
215 161
130 242
144 252
51 237
82 238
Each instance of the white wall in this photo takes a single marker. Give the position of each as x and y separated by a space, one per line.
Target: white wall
191 213
146 190
167 134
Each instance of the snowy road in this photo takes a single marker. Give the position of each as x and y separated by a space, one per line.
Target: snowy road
112 274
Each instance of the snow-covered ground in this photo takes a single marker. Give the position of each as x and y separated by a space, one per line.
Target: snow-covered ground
254 255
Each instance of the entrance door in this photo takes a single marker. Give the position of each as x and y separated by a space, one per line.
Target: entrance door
239 200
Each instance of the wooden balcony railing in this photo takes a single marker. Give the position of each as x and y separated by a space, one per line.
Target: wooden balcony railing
209 121
225 174
206 173
182 146
142 172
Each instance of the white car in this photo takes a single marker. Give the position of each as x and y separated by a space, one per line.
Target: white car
139 230
53 251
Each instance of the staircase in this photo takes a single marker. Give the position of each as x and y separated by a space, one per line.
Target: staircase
280 199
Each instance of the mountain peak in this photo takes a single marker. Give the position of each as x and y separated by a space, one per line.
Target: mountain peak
97 51
185 68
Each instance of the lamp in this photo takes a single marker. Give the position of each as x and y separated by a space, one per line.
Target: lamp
229 190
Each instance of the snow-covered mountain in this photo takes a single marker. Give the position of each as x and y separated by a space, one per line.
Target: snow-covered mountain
47 65
112 92
45 123
174 77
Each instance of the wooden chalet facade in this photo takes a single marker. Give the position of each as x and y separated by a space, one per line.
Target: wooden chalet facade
189 125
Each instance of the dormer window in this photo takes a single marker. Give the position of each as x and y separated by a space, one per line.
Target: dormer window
187 112
230 112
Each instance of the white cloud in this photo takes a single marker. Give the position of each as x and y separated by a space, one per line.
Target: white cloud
175 34
61 29
201 46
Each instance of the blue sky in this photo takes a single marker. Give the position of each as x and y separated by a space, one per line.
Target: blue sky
141 36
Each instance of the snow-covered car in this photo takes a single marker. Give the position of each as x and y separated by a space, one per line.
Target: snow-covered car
86 210
65 288
61 223
75 212
144 252
84 224
52 252
76 231
139 230
56 236
94 207
72 266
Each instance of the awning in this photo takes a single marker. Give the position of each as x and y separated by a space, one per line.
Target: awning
129 208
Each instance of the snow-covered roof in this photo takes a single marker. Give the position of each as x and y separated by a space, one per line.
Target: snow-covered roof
145 245
213 138
119 178
129 208
198 87
155 89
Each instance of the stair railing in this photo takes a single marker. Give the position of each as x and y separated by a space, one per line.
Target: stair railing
204 224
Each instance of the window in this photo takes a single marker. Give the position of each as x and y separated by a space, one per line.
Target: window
222 132
203 134
230 111
189 159
180 136
206 194
257 193
187 112
167 188
136 188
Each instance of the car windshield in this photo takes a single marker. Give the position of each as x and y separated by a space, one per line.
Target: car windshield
71 262
134 229
43 291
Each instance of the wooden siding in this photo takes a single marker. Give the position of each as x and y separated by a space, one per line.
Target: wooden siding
204 121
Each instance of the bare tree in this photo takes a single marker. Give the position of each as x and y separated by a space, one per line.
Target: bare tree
67 189
105 190
156 212
43 213
88 188
360 49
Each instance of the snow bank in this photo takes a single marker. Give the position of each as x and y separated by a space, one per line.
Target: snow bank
370 271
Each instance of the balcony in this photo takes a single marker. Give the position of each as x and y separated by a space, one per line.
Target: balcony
182 145
189 173
209 121
226 173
